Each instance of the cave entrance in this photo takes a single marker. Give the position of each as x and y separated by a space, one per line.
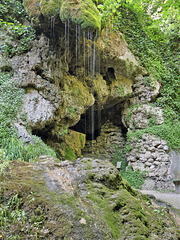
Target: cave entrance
106 134
93 129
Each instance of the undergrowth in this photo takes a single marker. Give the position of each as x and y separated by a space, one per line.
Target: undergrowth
15 38
136 178
10 104
15 223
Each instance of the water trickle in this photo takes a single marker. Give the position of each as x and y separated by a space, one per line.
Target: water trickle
79 40
68 38
76 45
92 68
65 38
84 43
88 55
52 30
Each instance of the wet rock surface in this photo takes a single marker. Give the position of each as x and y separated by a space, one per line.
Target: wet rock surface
86 199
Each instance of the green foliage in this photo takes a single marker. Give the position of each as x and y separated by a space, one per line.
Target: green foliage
169 130
63 131
15 223
16 149
4 164
17 38
70 111
10 103
135 178
12 11
155 43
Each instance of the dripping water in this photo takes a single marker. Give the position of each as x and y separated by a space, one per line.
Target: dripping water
68 38
76 46
85 117
92 71
99 100
65 33
52 30
79 40
88 55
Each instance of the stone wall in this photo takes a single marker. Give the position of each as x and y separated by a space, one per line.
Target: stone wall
111 137
152 155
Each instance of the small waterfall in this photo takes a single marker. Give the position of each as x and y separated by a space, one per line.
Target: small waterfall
66 39
92 71
91 65
88 55
84 43
98 69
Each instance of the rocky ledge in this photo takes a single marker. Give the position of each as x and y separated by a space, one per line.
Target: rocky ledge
85 199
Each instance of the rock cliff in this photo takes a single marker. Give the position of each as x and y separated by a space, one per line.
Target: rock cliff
84 88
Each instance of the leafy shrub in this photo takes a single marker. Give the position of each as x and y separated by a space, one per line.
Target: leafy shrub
12 11
168 131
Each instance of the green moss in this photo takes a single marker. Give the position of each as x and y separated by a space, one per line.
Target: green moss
81 12
84 13
32 8
111 213
69 154
50 8
121 91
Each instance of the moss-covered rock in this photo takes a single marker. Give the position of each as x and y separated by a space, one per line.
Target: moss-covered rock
72 145
86 199
81 12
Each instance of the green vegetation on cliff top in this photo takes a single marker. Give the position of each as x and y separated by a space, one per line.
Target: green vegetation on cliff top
81 12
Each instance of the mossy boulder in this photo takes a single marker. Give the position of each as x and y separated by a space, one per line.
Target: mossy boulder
85 199
81 12
72 145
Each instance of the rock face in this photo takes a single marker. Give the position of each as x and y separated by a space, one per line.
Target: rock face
60 86
83 86
140 116
86 199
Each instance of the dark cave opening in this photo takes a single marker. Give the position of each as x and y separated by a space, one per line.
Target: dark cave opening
101 118
92 131
43 133
110 75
